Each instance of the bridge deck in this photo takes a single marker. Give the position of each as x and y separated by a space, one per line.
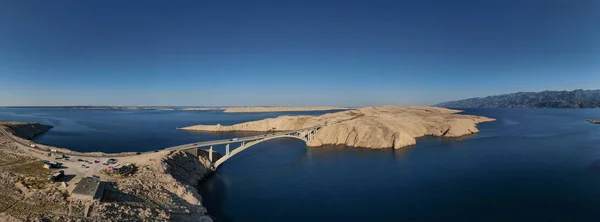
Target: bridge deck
241 139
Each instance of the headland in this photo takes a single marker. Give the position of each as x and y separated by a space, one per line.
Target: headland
368 127
256 109
41 182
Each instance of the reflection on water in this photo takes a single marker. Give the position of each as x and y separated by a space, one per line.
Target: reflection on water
213 190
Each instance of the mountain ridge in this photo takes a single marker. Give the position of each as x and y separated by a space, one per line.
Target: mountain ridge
578 98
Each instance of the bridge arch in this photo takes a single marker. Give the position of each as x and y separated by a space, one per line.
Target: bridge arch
247 145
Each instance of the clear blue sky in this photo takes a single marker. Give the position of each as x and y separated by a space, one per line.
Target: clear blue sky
350 53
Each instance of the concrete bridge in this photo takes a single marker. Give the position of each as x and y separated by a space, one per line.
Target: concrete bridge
243 143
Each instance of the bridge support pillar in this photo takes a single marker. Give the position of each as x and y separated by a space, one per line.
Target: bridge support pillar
243 143
210 154
227 149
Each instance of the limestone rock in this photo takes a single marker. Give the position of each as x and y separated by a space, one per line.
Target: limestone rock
369 127
250 109
26 130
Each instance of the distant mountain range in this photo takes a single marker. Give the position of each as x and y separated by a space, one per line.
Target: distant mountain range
546 99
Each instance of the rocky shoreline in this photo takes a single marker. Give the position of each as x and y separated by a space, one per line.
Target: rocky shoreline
162 189
26 130
368 127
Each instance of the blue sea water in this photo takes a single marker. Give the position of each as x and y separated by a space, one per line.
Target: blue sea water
114 131
529 165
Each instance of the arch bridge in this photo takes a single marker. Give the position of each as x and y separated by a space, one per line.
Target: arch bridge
305 135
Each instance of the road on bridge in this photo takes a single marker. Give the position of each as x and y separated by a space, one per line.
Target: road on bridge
180 147
234 140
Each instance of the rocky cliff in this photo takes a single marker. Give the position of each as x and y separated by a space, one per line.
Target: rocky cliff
161 189
369 127
26 130
169 187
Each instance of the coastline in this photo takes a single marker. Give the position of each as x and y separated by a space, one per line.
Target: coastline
169 187
369 127
165 182
257 109
227 109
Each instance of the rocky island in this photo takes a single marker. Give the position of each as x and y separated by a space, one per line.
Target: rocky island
368 127
158 186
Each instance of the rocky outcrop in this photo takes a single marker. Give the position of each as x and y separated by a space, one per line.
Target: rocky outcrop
369 127
26 130
162 188
165 187
187 168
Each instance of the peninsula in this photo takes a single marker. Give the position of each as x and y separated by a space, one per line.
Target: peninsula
153 186
255 109
201 108
262 109
368 127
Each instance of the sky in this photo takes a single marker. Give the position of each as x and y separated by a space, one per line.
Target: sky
302 53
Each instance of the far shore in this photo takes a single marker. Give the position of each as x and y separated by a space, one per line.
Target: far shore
261 109
254 109
227 109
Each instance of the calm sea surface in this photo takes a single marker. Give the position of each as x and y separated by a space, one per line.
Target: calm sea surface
530 165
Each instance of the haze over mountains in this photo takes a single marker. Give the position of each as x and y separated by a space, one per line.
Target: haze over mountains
545 99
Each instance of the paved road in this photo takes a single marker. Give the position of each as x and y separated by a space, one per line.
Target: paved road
234 140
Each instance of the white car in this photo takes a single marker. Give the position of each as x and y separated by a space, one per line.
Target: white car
234 139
